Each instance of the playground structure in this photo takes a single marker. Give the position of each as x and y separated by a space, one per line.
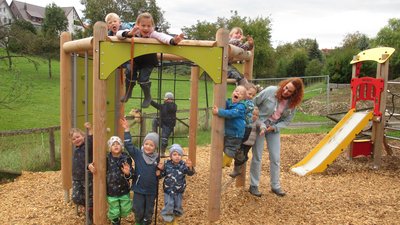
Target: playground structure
90 92
363 89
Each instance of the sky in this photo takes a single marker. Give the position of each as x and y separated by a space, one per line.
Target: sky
326 21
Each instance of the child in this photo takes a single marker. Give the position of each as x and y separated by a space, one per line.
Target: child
119 171
240 156
236 38
234 115
114 25
79 167
145 179
174 170
167 119
144 28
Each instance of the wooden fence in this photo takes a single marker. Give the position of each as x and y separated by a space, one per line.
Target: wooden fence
49 130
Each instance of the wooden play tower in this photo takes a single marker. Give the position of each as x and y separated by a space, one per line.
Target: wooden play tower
375 90
90 90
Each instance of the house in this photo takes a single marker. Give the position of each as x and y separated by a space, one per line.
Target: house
6 16
35 15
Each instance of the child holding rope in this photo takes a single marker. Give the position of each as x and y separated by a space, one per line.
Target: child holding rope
146 174
234 114
143 65
174 170
79 141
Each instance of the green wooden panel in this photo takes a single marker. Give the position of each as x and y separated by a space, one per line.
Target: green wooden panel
80 94
113 54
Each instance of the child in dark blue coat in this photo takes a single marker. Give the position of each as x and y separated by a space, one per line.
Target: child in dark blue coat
167 120
174 170
146 174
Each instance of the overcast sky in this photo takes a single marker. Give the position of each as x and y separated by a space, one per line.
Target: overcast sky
326 21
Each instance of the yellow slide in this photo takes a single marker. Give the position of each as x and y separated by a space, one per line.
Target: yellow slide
333 143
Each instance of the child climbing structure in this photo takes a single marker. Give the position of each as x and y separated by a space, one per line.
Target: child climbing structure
363 89
96 60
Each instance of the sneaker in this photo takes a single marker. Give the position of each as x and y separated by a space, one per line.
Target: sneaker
278 192
254 191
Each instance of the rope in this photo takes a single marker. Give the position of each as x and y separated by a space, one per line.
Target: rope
131 63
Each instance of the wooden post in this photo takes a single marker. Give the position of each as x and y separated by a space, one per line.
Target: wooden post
217 134
379 126
99 129
65 115
194 105
248 67
353 75
52 148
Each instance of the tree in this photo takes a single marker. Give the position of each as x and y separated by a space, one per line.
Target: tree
54 23
356 40
314 68
389 36
311 46
20 31
297 65
201 31
337 64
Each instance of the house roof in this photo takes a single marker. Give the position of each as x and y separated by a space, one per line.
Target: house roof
34 10
26 8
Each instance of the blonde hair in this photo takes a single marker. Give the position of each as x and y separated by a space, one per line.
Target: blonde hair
76 130
234 30
145 15
111 16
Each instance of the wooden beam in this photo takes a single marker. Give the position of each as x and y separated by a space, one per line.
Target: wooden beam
65 115
379 126
194 105
99 129
217 134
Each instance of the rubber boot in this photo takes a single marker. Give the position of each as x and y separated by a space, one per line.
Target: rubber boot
147 94
254 191
226 161
128 91
116 221
236 171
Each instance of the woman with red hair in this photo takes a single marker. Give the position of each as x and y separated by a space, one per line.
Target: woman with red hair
277 106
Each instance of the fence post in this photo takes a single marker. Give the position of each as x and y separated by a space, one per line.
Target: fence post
52 148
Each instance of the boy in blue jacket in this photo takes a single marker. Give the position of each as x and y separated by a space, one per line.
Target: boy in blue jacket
234 115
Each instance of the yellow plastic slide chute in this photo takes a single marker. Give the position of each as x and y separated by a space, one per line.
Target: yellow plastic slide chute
329 148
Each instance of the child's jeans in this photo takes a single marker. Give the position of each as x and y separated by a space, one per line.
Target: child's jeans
172 206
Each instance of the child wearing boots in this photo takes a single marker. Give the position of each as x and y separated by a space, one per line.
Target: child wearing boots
146 174
79 167
236 39
143 65
119 172
234 114
174 170
251 91
167 119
